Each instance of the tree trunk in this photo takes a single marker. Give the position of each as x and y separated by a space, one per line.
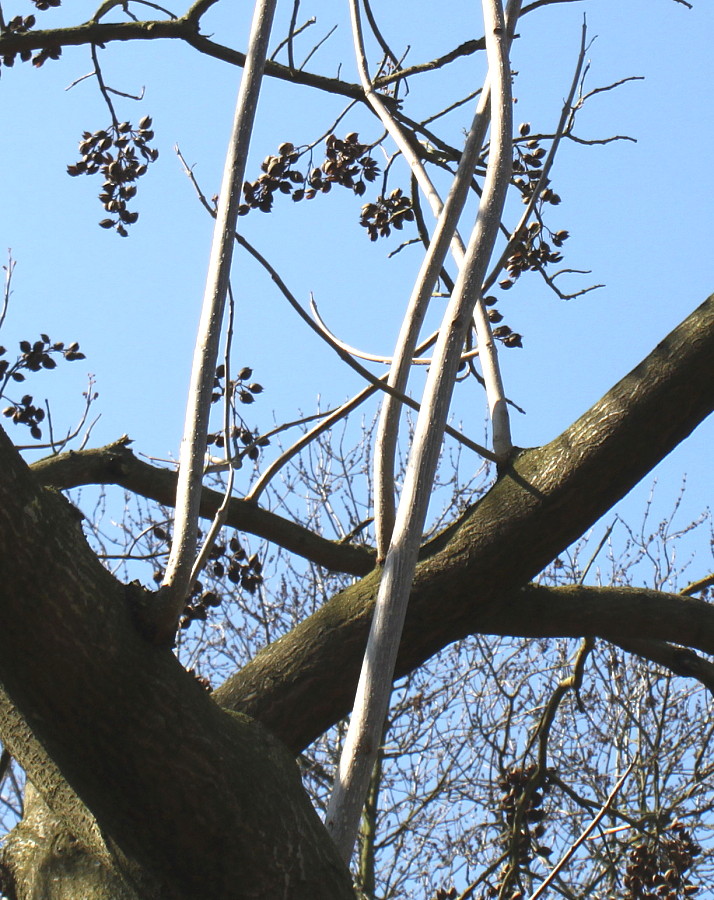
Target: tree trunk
205 802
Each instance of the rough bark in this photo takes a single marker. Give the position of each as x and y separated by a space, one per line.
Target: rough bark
47 862
189 793
221 813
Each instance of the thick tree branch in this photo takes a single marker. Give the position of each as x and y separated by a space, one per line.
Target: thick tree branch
116 464
471 577
105 705
679 660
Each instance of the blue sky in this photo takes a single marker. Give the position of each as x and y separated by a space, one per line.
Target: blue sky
639 215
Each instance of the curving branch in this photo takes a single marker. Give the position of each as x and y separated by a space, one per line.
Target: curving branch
117 464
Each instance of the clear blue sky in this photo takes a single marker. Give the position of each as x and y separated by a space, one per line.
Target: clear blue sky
639 215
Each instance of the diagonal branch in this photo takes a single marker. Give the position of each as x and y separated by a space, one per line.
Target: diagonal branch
472 577
679 660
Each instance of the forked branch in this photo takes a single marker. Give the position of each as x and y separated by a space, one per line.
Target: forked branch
374 688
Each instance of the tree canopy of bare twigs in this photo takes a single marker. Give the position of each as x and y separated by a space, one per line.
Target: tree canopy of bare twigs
344 656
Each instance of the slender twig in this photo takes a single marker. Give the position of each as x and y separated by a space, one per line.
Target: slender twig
139 96
291 33
216 464
452 107
373 357
565 859
58 446
386 49
305 25
7 288
336 416
317 47
193 445
465 49
102 86
219 518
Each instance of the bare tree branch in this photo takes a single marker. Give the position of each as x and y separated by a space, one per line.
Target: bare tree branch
180 564
374 687
116 464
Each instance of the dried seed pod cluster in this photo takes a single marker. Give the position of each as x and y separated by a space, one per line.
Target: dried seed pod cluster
240 387
39 59
33 357
18 25
521 803
347 163
21 25
532 252
229 561
656 869
527 164
242 390
386 213
122 155
251 442
278 175
517 784
503 333
25 413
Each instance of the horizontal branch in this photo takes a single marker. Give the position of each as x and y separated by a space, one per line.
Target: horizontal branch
184 29
617 614
679 660
116 464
